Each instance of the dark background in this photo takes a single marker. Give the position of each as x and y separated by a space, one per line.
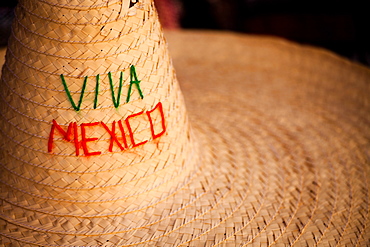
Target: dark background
340 26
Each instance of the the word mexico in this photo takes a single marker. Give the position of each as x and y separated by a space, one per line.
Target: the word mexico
77 134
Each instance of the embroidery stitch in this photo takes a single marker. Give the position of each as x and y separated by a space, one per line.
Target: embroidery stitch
96 91
130 130
116 103
77 108
122 133
85 140
81 140
155 136
113 136
66 135
77 143
133 75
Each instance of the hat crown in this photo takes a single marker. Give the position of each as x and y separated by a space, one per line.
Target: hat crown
92 112
85 39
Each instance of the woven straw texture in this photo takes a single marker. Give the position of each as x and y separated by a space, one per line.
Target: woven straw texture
277 152
295 123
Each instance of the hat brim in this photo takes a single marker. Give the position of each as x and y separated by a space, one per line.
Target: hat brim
294 126
283 131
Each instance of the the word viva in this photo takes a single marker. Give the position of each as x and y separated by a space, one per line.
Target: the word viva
116 100
77 134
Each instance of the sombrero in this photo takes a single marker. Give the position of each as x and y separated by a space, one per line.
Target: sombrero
98 148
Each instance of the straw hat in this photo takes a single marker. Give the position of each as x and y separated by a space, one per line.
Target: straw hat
98 149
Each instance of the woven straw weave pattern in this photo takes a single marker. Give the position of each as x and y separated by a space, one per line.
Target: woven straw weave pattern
61 198
277 153
300 116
